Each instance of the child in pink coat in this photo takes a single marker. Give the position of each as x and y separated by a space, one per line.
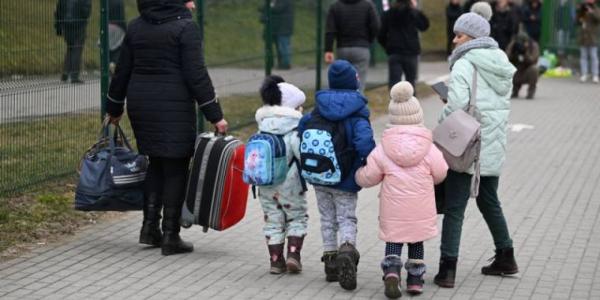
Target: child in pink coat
408 164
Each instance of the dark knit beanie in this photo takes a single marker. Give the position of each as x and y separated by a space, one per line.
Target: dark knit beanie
343 76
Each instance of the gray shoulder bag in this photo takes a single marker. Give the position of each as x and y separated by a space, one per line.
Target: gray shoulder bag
459 139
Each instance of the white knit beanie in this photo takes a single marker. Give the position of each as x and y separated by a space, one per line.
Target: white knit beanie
473 25
291 96
404 108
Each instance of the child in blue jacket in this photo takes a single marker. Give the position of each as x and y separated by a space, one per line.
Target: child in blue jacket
342 102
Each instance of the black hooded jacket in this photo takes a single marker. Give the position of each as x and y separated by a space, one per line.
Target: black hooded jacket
161 72
400 28
351 23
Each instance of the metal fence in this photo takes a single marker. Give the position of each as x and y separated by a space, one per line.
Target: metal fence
50 109
560 28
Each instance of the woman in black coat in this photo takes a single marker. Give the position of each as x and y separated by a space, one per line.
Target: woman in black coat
161 72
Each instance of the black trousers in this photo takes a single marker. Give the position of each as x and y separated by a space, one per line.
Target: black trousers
399 65
74 34
166 180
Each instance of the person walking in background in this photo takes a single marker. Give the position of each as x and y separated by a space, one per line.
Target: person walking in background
453 11
504 22
532 19
409 165
352 25
161 72
340 119
588 20
70 22
523 52
399 35
476 52
282 28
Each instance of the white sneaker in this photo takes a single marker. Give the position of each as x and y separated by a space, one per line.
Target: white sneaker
583 78
596 80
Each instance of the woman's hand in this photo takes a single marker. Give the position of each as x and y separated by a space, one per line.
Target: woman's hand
221 126
191 5
113 120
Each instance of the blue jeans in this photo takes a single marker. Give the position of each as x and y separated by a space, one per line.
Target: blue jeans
589 53
284 51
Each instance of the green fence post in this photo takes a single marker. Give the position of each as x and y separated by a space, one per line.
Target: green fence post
319 38
268 34
200 19
104 59
547 23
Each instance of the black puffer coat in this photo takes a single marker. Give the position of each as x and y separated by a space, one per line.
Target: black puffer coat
351 23
400 28
161 71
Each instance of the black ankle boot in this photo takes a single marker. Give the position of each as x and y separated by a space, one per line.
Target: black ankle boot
294 265
504 263
171 241
331 272
447 273
173 244
278 265
347 260
150 233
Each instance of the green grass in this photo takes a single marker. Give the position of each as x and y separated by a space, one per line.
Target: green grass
40 216
233 35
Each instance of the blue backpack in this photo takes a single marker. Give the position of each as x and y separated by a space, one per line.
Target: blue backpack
326 156
265 160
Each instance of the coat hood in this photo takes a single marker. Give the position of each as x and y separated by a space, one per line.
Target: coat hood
336 105
162 11
277 119
495 68
407 146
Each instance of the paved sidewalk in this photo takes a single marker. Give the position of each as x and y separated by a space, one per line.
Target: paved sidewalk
43 96
551 195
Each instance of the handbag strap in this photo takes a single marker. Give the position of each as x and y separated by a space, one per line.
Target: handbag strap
473 99
475 181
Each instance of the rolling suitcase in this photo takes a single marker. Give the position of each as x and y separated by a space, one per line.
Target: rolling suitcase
216 194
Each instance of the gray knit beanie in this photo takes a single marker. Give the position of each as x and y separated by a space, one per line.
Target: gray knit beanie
483 9
473 25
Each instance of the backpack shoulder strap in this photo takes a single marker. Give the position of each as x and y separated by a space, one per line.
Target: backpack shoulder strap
296 162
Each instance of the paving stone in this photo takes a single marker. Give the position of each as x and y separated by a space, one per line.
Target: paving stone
549 191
